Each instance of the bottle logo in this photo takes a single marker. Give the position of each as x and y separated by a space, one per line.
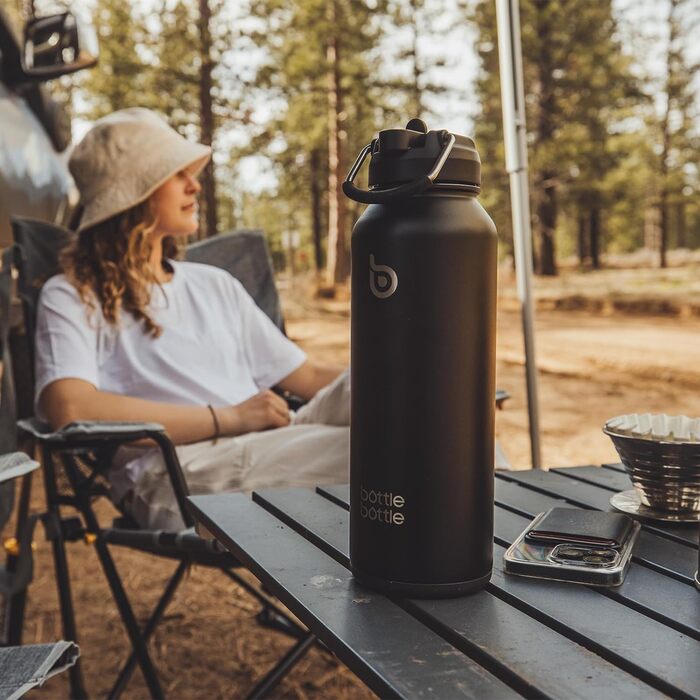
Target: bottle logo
383 281
382 506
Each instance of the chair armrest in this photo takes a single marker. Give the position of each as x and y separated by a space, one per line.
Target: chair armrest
97 434
90 433
16 464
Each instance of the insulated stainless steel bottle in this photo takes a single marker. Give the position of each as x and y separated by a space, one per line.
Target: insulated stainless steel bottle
423 365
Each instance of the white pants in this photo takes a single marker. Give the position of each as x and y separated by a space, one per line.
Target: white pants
313 449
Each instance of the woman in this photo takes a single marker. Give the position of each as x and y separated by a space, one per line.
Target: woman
129 334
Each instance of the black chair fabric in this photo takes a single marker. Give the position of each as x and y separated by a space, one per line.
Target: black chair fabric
36 252
38 247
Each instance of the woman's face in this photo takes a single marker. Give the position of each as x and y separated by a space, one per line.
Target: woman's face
175 205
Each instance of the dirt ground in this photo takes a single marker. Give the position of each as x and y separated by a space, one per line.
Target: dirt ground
591 367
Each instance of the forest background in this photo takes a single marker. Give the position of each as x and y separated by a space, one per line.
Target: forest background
288 91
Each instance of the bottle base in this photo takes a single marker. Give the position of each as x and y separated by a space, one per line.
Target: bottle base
421 590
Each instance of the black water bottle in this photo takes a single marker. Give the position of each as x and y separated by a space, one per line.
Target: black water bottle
423 367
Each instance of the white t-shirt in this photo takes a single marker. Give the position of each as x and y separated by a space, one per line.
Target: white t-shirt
217 347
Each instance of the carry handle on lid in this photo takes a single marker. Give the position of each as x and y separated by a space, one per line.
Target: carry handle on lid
405 190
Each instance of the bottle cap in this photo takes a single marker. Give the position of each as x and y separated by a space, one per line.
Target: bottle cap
403 155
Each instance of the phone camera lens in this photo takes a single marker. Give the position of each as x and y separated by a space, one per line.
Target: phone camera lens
606 553
570 553
599 556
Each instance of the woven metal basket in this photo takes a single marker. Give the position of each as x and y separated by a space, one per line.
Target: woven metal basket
662 457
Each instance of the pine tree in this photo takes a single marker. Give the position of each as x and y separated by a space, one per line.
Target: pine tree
184 78
318 65
597 94
121 78
576 81
674 126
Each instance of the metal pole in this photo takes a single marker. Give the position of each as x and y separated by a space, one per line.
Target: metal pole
514 132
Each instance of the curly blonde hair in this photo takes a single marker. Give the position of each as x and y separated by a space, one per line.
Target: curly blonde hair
109 264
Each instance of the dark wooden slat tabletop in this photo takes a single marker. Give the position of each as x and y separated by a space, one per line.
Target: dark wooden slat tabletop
572 606
531 637
351 620
583 670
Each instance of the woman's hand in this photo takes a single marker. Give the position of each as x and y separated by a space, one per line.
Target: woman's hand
260 412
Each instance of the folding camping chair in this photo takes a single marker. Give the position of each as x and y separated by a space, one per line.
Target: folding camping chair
76 459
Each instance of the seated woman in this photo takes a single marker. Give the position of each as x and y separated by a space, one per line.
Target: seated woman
128 333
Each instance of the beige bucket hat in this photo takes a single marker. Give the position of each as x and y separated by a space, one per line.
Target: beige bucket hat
125 158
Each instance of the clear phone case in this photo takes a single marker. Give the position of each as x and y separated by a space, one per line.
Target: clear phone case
565 561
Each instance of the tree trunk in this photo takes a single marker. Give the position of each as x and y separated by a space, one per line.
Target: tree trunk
206 117
594 235
547 221
651 225
546 109
663 227
582 239
681 231
315 166
336 255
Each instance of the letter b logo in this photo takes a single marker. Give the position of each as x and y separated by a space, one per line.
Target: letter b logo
383 281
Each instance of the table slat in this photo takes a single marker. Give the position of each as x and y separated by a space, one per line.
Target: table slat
606 478
481 624
350 620
645 647
664 555
339 493
659 655
661 554
673 603
588 496
615 466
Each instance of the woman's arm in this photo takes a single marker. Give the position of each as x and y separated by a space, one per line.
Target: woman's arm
68 400
309 378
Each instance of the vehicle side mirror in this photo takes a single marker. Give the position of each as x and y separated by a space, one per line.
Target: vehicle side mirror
56 45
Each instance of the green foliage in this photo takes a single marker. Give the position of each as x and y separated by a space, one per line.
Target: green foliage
591 134
294 74
608 142
123 75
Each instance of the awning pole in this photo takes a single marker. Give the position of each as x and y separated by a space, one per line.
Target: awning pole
514 132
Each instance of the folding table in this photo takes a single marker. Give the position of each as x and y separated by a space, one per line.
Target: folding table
517 637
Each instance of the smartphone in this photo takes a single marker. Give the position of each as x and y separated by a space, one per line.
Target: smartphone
575 545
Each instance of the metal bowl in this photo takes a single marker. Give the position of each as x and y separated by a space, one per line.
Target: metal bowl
662 457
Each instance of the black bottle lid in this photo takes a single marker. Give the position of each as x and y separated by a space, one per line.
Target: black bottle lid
404 155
